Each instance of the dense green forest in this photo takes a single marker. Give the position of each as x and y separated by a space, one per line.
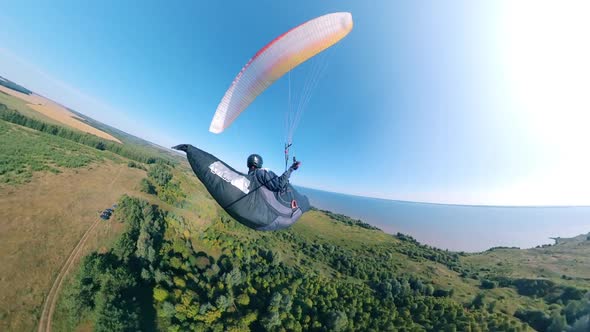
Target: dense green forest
160 276
249 286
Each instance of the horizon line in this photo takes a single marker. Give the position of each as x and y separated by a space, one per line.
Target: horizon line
450 204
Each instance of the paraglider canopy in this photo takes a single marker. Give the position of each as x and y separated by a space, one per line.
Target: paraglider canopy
274 60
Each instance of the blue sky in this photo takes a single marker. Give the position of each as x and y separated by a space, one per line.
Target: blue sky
462 102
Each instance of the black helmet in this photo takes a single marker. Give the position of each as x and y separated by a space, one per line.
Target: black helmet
254 161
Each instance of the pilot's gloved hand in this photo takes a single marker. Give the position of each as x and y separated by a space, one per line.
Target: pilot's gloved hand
295 165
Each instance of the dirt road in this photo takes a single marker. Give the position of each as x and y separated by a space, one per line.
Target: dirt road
51 300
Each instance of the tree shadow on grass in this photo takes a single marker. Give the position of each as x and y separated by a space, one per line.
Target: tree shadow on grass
144 296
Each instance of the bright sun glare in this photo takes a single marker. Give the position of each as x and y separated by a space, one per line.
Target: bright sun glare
545 59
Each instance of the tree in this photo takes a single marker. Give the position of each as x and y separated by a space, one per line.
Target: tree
582 324
125 246
243 299
113 311
558 323
160 174
271 320
100 146
337 321
478 302
147 187
488 284
160 294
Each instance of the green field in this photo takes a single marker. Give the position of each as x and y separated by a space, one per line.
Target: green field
21 106
25 151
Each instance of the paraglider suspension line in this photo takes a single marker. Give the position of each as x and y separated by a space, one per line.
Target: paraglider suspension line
287 146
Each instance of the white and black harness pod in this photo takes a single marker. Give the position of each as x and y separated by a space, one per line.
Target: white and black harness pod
243 197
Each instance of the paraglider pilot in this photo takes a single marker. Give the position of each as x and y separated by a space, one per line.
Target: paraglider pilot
268 178
260 199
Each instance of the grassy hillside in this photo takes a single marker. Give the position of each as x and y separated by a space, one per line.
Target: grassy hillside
51 190
52 187
171 259
566 262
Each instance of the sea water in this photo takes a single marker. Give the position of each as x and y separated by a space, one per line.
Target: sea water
459 227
